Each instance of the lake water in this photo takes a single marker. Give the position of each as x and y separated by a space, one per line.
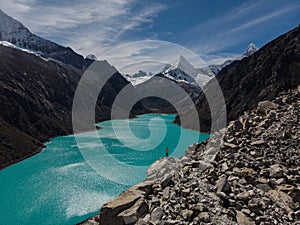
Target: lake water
60 186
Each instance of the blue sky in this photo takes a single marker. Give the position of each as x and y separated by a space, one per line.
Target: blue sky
215 30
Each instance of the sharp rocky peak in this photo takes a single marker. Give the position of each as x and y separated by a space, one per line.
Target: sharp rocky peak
251 49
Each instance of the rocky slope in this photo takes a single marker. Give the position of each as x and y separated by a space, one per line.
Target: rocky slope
273 68
253 179
16 145
36 98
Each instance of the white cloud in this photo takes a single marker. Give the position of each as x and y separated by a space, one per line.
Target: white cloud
87 26
267 17
149 56
236 26
219 59
95 26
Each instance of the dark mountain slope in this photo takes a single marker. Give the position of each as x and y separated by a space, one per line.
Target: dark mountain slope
272 69
159 105
36 96
16 145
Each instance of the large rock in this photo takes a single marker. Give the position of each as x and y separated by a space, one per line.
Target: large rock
245 196
204 217
187 214
281 199
156 215
119 211
276 171
132 214
162 167
242 219
265 106
223 185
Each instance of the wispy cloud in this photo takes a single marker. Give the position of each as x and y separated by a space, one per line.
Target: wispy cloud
235 26
228 16
89 26
267 17
96 26
145 16
218 59
149 56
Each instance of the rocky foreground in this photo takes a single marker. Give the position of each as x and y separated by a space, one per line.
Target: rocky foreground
253 179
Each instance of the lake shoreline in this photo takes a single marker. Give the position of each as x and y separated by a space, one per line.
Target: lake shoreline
62 164
40 149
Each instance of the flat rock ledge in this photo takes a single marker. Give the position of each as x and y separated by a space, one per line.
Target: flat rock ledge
133 204
254 177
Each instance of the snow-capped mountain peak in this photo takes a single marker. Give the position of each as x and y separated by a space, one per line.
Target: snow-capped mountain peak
16 33
183 71
183 64
91 57
139 77
9 26
250 50
186 66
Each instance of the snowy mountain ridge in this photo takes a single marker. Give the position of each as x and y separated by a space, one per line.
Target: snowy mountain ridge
10 45
139 77
16 33
183 71
250 51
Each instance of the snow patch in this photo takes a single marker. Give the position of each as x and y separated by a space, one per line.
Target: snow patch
184 71
91 57
10 45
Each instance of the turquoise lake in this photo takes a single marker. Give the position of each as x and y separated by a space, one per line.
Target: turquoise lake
60 186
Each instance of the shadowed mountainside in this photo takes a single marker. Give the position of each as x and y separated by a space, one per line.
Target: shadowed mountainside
272 69
16 145
36 96
160 105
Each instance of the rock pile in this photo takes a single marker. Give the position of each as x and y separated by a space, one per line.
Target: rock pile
254 178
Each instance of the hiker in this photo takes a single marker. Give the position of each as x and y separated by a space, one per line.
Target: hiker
167 152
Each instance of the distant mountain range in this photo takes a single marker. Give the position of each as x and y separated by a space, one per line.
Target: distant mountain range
15 34
183 71
250 51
